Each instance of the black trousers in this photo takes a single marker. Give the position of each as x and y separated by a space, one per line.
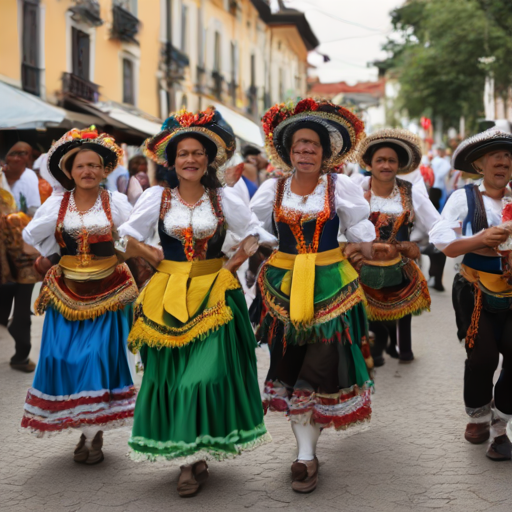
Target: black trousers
437 263
494 337
19 328
385 330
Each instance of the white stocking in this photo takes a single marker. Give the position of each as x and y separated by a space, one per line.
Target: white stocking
307 438
89 432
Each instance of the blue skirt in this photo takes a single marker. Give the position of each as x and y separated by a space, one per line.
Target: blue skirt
83 376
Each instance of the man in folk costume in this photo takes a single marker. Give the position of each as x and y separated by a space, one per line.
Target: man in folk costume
472 225
401 213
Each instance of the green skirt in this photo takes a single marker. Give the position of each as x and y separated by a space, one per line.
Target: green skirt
201 401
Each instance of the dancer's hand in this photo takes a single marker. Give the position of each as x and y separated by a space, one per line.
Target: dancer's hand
384 252
233 174
245 250
492 237
409 250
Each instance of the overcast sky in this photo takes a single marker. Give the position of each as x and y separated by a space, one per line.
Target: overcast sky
351 32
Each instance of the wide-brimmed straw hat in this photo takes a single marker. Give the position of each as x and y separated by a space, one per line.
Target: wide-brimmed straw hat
479 145
339 129
207 126
76 140
405 143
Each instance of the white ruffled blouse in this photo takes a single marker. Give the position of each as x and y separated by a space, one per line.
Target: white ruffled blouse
143 222
351 206
449 227
40 232
425 214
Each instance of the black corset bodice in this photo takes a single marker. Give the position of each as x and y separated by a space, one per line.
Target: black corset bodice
328 237
174 249
388 230
98 248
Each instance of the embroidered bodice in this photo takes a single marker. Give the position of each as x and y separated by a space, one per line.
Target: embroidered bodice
306 224
191 232
85 232
392 216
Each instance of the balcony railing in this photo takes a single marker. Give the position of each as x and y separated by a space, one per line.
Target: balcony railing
76 86
87 11
218 80
175 62
30 79
125 25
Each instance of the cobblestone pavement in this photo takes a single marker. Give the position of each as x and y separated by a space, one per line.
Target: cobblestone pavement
413 458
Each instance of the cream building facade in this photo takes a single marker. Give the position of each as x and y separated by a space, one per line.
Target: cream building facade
128 63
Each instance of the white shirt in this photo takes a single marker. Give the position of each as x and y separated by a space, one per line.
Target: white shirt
351 206
449 227
26 191
425 215
40 232
441 168
111 181
143 222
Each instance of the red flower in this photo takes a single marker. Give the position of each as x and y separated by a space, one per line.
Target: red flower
307 104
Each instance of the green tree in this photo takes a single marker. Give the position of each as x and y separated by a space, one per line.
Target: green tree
437 58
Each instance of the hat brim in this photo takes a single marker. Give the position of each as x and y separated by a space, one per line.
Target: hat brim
465 159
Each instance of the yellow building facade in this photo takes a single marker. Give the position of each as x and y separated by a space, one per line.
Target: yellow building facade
128 63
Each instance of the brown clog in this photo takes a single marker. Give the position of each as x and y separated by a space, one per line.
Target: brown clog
81 452
95 453
308 484
27 367
477 433
500 449
191 478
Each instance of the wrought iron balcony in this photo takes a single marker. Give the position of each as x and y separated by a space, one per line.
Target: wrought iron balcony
87 11
175 62
125 26
218 80
76 86
30 79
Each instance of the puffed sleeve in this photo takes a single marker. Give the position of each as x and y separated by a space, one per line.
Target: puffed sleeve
120 207
449 226
40 231
262 203
353 210
143 220
425 215
240 219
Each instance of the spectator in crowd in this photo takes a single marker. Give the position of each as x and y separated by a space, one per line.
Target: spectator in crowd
441 167
255 164
23 184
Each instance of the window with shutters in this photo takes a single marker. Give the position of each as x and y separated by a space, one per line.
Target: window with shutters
128 82
81 51
30 72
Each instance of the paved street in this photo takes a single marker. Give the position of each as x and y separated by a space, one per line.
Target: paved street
413 458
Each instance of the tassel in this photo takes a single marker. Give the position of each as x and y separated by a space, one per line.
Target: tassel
475 319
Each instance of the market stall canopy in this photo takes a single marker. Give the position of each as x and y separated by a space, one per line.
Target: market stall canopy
244 128
21 110
134 121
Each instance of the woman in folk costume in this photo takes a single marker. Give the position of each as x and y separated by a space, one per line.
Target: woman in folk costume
313 314
401 213
199 398
83 378
475 222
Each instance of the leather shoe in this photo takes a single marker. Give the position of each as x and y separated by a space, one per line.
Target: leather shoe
27 367
477 433
310 480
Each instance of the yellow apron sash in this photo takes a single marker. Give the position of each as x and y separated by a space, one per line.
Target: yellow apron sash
492 282
181 297
301 288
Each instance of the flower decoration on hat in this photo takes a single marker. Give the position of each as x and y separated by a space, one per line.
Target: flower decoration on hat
405 143
208 126
73 141
339 129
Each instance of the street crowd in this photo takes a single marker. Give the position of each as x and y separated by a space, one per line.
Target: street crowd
310 246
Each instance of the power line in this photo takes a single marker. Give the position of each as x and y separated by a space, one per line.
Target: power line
356 37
